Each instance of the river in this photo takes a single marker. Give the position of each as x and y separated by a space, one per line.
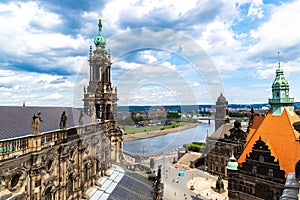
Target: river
168 142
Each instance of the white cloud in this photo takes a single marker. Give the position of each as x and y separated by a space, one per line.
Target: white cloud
29 33
255 9
279 33
34 35
35 89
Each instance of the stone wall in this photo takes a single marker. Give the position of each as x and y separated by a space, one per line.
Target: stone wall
55 165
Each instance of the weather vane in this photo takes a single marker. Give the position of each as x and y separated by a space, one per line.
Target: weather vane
278 59
100 16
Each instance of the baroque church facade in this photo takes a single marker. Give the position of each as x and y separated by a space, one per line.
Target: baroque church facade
64 151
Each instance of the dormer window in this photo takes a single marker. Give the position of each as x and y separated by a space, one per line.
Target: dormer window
261 159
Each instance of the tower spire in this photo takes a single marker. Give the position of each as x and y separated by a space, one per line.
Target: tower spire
99 40
278 59
280 94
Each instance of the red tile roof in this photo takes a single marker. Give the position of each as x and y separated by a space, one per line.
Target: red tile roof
281 137
257 120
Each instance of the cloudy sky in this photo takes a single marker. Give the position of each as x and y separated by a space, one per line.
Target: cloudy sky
163 51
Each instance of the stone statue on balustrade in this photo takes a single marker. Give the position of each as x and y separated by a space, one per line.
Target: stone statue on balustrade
81 118
63 120
36 123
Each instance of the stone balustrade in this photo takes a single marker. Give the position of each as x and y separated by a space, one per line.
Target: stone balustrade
15 147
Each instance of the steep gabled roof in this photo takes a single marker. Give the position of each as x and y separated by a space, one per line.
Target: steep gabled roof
256 122
15 121
281 137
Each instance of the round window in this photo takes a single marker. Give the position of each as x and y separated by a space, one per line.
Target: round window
15 180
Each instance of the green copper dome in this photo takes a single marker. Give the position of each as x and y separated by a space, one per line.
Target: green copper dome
280 81
99 40
232 164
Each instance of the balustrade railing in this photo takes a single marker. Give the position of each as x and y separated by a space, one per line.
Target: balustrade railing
14 147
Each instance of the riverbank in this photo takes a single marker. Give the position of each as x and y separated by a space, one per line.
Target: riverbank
150 134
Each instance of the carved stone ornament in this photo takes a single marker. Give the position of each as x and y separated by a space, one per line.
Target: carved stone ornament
50 181
49 162
15 179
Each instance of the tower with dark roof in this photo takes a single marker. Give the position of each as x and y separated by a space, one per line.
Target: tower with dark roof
221 111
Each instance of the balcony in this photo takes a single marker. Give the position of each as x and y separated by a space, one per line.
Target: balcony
281 100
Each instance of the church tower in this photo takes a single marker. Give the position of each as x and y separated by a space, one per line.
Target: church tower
221 116
280 95
100 97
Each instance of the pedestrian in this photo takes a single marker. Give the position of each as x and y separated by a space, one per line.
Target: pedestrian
174 193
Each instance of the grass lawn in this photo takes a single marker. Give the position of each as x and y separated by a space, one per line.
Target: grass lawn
131 129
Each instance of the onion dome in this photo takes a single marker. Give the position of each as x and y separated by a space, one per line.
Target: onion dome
280 82
99 40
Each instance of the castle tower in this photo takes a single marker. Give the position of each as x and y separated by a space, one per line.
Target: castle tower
221 116
100 97
280 94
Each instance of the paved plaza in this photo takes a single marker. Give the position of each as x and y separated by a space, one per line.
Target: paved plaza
178 187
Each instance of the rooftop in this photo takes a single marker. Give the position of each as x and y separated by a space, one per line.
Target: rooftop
15 121
280 136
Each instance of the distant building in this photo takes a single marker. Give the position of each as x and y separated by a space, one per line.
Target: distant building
271 149
228 139
221 116
59 152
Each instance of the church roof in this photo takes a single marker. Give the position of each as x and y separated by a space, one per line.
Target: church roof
280 136
15 121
